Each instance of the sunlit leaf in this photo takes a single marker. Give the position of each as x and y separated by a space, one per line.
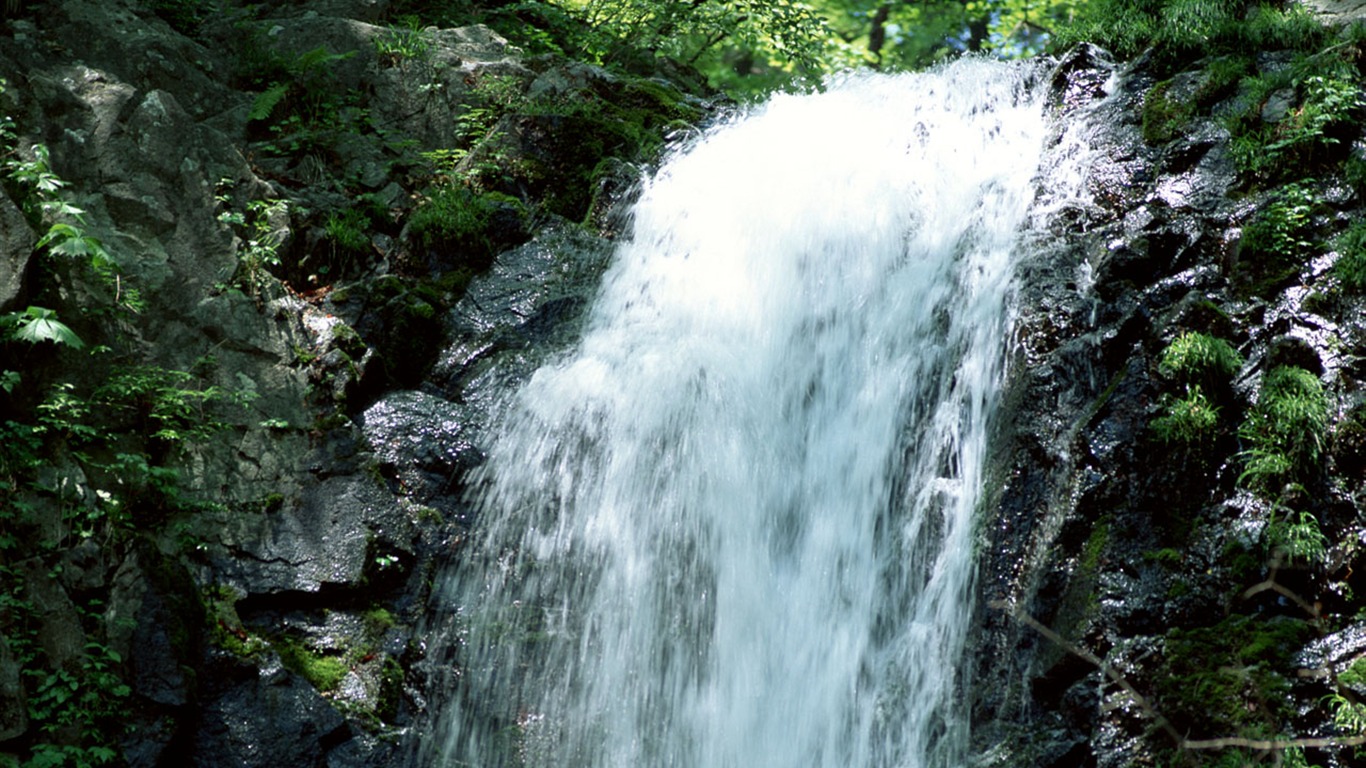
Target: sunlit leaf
38 324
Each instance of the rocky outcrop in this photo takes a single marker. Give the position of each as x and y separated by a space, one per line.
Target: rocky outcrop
224 524
1141 599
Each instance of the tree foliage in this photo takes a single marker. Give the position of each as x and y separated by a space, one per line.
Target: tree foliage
756 46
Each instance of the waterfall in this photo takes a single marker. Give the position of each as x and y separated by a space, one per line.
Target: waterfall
733 528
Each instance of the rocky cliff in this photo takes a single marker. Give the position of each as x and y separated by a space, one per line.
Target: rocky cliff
1169 569
264 269
236 241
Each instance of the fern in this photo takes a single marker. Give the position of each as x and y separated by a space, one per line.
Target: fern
266 102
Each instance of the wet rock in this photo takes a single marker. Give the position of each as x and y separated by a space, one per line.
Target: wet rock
526 307
16 248
60 634
1114 539
327 539
154 619
422 441
264 717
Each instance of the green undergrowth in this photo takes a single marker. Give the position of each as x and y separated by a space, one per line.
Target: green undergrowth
1200 366
1350 266
1230 678
1286 432
1180 31
93 435
1322 104
1278 240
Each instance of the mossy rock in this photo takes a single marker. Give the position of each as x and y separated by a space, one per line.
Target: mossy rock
1231 678
456 228
1165 114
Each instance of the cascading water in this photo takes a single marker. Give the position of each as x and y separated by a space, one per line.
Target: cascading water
734 528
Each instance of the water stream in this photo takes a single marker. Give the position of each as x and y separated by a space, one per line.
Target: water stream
734 527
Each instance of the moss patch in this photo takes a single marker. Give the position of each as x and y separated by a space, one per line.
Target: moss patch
1232 677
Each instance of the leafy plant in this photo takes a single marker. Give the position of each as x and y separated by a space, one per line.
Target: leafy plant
1328 100
1296 536
1199 357
170 403
1286 432
1276 239
38 324
88 700
258 254
400 44
1188 419
307 87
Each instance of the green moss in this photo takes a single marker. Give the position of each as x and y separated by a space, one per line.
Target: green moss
1232 677
1163 116
390 690
1350 268
1080 602
1355 675
322 671
1166 557
378 620
225 629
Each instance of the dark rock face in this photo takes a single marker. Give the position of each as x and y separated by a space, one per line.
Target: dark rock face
16 248
1154 557
252 595
264 716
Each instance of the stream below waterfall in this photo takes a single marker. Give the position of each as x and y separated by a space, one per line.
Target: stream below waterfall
733 526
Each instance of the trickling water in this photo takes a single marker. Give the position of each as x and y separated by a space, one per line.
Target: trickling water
734 528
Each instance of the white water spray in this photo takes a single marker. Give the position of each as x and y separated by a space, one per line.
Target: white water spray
734 528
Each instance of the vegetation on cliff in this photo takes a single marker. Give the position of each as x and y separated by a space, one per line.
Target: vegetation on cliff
1220 454
381 164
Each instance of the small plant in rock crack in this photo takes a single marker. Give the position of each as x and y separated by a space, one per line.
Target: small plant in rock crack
402 43
1195 357
258 254
1189 419
1278 239
1285 433
1295 536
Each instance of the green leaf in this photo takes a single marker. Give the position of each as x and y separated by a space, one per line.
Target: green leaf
38 324
265 103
